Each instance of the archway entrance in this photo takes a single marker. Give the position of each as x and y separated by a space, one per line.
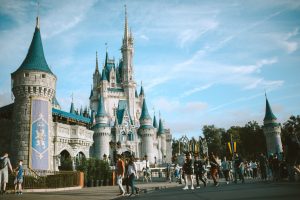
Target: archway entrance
65 161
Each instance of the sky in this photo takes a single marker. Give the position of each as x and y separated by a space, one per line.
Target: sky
200 62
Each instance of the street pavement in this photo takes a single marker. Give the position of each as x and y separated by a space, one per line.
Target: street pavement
172 191
247 191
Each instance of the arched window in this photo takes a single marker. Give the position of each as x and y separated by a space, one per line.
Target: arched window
130 136
123 137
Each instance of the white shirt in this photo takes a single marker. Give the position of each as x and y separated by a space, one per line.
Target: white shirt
131 169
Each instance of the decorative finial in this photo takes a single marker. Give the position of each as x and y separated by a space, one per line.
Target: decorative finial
106 47
37 17
159 114
265 93
72 97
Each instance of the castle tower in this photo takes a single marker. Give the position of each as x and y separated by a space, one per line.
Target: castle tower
127 78
162 135
33 86
146 131
102 131
272 131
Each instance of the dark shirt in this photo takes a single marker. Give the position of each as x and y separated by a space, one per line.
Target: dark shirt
188 167
237 161
198 166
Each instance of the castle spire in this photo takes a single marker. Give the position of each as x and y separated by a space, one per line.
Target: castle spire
269 114
97 68
126 25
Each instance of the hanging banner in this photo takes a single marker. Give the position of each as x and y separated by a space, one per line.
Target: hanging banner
229 146
234 145
39 135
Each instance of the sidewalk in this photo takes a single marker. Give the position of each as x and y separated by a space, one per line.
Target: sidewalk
99 193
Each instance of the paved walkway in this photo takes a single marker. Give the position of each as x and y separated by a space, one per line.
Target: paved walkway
99 193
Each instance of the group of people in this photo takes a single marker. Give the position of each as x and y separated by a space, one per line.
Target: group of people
5 166
236 169
126 172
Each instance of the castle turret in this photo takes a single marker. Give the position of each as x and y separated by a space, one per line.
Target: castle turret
33 86
102 131
162 135
146 131
272 131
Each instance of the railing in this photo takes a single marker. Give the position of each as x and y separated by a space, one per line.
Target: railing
37 179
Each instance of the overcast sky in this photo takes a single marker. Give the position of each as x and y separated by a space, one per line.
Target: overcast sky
201 62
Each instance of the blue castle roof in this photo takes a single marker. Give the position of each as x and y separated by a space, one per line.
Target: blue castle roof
70 115
145 113
161 129
101 110
35 59
269 114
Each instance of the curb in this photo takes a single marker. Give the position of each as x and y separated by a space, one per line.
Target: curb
53 189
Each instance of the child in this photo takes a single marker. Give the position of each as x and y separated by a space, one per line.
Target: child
19 177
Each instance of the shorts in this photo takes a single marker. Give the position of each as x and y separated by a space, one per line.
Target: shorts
18 180
4 175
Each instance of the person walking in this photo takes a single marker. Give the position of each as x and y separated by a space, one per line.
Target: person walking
254 169
188 171
120 170
19 178
131 173
214 168
199 170
263 163
238 168
225 168
4 165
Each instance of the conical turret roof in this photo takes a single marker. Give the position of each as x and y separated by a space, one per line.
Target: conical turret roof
269 114
104 77
161 129
145 113
101 110
35 59
142 91
72 109
154 122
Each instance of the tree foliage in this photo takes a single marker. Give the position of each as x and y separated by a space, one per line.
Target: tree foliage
250 139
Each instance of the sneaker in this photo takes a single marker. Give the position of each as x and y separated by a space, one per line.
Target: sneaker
20 193
227 182
217 184
192 188
185 188
198 187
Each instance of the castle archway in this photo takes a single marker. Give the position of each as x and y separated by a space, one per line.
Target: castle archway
66 163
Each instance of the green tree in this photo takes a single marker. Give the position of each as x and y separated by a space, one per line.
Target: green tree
212 135
293 121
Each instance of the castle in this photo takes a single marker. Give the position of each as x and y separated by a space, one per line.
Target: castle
35 129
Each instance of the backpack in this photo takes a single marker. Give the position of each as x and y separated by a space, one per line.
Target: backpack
2 163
